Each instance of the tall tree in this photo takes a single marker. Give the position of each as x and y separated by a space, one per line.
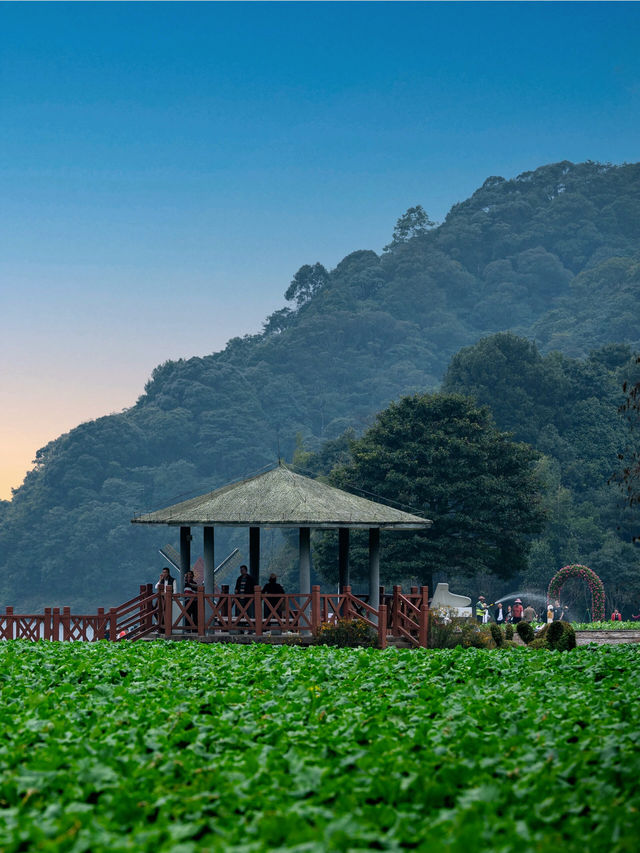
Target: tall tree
414 223
306 282
629 476
443 458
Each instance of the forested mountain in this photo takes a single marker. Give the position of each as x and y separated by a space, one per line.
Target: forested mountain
552 256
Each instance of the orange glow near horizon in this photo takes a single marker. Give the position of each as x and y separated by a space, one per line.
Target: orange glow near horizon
31 418
17 451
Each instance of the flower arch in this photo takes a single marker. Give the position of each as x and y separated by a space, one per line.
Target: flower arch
595 585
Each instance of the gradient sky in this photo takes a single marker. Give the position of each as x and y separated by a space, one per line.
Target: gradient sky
165 168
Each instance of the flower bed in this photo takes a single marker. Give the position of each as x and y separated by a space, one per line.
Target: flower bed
606 626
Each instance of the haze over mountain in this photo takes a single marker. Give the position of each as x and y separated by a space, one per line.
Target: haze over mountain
551 256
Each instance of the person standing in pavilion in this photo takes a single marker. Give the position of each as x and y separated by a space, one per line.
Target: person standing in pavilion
244 590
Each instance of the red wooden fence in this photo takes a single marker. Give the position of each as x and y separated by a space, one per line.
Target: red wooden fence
201 614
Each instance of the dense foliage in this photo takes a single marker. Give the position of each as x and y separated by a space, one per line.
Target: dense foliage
441 457
551 255
185 747
629 475
566 409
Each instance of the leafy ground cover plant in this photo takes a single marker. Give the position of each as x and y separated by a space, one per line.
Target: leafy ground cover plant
607 626
191 748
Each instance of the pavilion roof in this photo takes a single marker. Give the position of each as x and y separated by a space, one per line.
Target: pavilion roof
281 498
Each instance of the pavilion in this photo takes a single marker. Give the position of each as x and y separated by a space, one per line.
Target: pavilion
281 498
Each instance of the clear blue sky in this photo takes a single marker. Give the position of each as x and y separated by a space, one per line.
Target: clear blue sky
165 168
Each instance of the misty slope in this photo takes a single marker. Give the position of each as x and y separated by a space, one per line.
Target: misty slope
551 255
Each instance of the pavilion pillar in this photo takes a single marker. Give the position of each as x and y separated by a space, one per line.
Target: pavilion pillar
305 560
209 561
254 553
374 567
185 555
343 558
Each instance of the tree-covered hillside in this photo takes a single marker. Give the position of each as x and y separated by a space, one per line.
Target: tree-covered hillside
567 409
551 255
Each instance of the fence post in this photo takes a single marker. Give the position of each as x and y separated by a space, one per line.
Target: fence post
151 607
382 626
100 625
9 630
347 602
142 622
424 590
423 633
55 632
168 613
225 591
395 615
113 627
315 608
201 617
47 624
147 611
257 595
66 623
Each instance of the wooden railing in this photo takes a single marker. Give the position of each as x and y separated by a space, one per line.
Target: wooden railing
132 619
410 616
201 614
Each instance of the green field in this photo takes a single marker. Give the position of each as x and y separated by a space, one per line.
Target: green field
186 747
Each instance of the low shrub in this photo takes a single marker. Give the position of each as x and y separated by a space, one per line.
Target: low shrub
476 636
444 632
347 633
496 633
508 631
560 636
525 632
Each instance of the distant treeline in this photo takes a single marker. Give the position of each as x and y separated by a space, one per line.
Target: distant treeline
550 257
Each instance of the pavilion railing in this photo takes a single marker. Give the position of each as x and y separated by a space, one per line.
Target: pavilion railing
132 619
200 614
410 616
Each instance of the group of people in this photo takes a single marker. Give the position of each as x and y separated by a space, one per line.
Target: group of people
497 612
272 593
616 616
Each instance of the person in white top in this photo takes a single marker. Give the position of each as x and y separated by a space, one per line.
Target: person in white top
165 581
165 584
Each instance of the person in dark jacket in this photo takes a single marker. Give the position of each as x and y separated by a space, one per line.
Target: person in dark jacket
245 585
559 612
273 593
191 602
